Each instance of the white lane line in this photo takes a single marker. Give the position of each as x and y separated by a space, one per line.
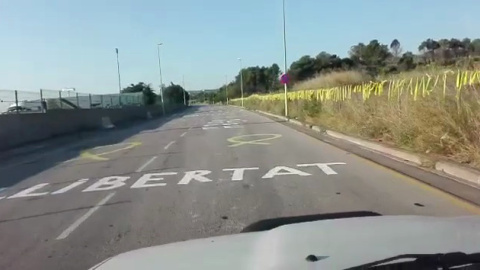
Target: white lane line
146 164
168 145
82 219
183 134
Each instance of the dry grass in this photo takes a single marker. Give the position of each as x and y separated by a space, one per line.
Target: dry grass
333 79
442 127
430 70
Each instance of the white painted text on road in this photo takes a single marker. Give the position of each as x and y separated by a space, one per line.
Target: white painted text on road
238 172
162 179
143 182
108 183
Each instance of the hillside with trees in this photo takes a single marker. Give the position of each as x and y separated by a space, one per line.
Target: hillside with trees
374 58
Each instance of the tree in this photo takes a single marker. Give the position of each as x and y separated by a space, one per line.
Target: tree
444 43
149 97
432 45
137 88
302 69
467 43
373 54
429 46
406 62
322 60
255 80
456 46
396 48
347 63
422 47
272 76
173 94
475 46
356 52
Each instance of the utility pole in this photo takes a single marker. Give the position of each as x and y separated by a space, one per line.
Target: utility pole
118 70
161 79
241 78
285 57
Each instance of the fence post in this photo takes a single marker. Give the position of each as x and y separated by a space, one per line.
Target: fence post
78 102
42 102
101 100
120 100
90 101
60 99
16 101
111 101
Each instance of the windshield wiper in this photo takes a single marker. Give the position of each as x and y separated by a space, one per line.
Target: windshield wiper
425 261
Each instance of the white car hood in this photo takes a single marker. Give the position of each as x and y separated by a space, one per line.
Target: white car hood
340 243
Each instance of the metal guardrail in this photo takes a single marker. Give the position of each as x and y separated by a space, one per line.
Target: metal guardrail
14 101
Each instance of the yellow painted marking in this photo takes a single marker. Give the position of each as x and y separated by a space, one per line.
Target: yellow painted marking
99 156
250 139
129 146
88 155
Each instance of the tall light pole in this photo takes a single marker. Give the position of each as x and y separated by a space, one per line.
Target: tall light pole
226 88
285 57
161 79
118 70
241 78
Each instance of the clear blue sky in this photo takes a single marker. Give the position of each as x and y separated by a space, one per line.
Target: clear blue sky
71 43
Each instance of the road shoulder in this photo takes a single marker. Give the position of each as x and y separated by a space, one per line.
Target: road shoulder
407 165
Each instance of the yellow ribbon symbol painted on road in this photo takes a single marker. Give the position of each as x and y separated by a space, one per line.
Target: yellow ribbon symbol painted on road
259 139
99 156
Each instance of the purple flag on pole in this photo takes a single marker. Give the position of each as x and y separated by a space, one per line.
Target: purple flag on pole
284 78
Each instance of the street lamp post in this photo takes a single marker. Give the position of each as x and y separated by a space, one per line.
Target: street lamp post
161 79
285 57
118 70
241 78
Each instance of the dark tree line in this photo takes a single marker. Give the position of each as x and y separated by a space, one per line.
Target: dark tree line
172 94
446 51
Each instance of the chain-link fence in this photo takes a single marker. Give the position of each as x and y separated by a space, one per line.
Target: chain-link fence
14 101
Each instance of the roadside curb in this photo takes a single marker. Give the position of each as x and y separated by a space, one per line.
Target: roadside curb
239 107
464 173
454 171
402 155
273 115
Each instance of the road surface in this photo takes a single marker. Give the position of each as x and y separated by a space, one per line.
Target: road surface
208 171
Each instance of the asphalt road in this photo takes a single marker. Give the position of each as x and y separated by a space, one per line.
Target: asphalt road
207 171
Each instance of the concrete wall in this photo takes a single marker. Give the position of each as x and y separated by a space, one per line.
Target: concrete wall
19 129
